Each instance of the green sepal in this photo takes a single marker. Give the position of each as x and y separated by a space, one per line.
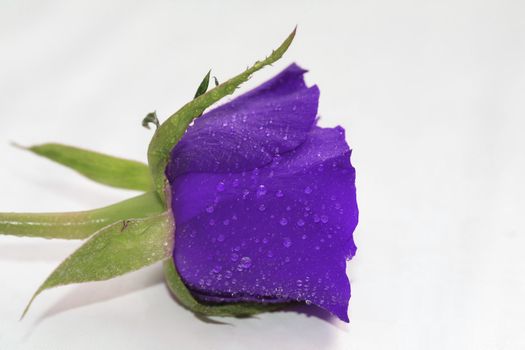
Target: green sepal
115 250
101 168
150 118
172 130
203 87
183 295
78 225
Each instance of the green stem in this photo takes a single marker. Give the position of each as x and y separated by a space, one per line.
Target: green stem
78 225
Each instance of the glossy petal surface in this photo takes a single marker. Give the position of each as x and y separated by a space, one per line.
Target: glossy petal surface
278 232
250 130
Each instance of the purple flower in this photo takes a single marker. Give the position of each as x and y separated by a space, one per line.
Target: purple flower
264 200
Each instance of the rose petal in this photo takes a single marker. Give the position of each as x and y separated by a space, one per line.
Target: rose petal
279 233
248 131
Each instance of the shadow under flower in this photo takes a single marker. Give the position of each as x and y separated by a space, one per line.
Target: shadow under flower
97 292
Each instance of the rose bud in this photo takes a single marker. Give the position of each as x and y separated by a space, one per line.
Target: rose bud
252 207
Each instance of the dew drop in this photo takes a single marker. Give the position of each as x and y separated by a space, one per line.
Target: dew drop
220 186
261 190
316 218
308 302
269 254
308 190
279 194
246 262
210 209
287 242
283 221
220 238
324 219
300 222
234 257
304 236
226 222
212 222
262 207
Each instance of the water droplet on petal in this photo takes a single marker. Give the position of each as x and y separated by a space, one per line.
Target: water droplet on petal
300 222
220 186
261 190
262 207
308 302
324 219
210 209
245 263
287 242
220 238
269 254
283 221
279 194
226 222
308 190
234 257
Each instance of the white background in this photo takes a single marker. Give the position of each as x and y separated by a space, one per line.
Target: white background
431 94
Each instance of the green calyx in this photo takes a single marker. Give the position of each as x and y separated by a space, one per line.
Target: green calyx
137 232
101 168
171 131
115 250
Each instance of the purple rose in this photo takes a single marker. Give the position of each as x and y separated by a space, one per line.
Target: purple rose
250 208
264 201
